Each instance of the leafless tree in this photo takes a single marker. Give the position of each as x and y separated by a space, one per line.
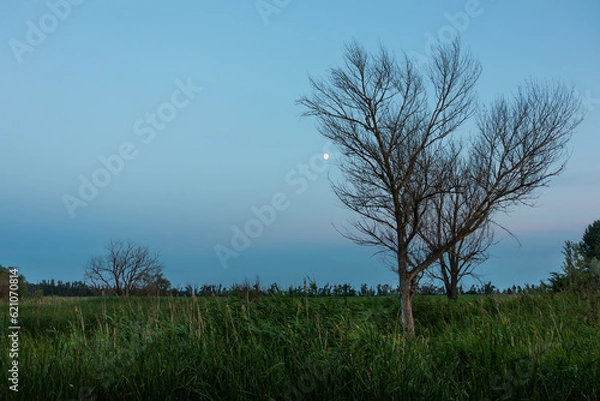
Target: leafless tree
467 253
462 258
400 150
126 267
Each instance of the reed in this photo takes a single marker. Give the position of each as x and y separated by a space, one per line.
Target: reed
527 347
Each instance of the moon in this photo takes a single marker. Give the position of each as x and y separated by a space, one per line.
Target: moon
326 156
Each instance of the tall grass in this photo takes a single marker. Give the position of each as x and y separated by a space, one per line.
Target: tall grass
528 347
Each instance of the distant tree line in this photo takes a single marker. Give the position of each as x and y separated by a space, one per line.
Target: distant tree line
82 289
60 288
580 273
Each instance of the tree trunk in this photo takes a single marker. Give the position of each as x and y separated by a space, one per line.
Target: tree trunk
406 301
450 276
452 286
452 291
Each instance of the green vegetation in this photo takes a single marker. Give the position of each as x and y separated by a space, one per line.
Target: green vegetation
581 267
500 347
5 274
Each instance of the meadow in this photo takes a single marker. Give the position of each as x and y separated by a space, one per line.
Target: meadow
283 347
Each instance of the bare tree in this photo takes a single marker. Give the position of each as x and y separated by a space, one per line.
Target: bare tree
397 154
467 253
461 259
125 268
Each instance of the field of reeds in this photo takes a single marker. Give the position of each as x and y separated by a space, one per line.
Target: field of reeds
282 347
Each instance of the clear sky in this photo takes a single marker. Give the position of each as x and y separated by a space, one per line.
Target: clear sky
83 81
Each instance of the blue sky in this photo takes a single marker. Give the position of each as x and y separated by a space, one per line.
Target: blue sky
82 79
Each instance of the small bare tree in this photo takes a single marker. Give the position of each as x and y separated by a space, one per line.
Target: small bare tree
461 260
397 154
466 254
127 267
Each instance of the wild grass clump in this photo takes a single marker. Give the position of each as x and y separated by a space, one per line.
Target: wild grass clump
529 347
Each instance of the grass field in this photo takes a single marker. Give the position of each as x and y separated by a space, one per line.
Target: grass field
525 347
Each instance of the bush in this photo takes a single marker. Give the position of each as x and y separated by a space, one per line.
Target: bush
581 268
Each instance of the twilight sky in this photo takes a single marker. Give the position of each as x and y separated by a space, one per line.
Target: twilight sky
183 114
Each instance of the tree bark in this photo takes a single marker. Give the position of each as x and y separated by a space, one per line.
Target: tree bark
406 304
452 291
